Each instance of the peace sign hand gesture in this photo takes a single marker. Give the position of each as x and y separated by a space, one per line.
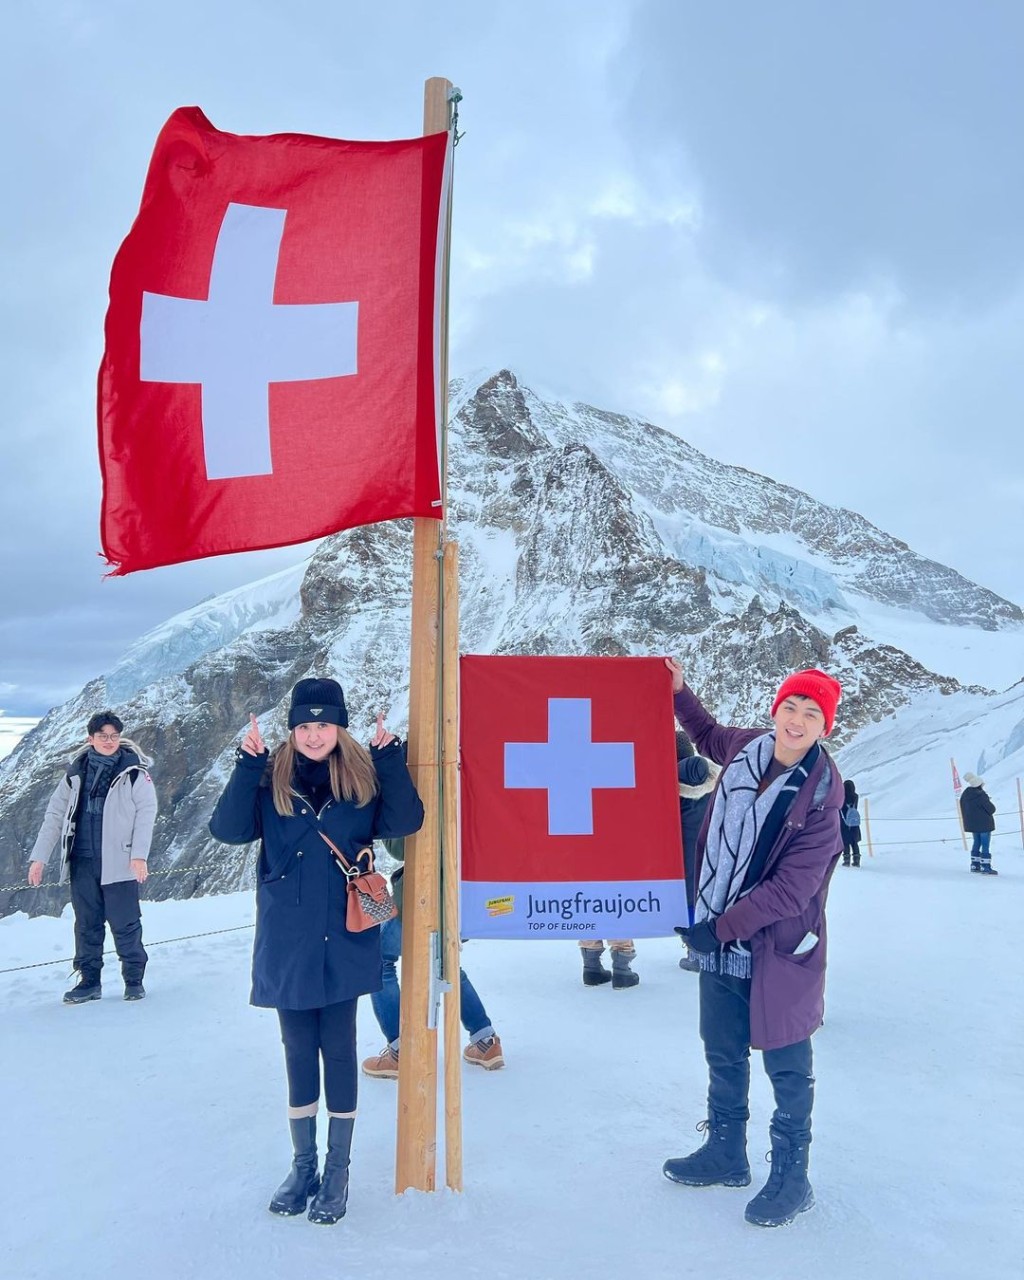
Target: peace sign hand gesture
252 743
381 737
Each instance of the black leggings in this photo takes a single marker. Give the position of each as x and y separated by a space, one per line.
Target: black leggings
311 1034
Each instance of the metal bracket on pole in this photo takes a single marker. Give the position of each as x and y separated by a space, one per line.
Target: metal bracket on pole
438 986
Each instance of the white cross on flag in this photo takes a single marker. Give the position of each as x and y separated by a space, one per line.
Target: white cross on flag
270 371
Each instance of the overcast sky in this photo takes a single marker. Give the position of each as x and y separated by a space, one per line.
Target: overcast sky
791 232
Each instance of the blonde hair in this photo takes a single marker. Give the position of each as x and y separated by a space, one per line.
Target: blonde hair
353 776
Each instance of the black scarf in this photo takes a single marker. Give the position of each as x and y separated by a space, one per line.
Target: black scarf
99 774
313 780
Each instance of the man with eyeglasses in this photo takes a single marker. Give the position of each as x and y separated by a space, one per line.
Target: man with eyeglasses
102 812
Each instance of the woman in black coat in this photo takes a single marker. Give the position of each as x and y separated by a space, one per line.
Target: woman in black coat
978 813
306 964
849 824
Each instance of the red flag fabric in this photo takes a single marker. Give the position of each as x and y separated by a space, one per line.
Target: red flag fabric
957 784
270 368
570 798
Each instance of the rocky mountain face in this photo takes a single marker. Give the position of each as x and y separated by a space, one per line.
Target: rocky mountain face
580 532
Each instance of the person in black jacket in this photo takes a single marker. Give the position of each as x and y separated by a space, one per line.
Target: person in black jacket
849 824
306 964
978 813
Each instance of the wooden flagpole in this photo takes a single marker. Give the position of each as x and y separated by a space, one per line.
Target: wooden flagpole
450 872
956 802
867 826
416 1150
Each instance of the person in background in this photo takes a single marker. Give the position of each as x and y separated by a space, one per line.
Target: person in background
102 812
849 824
978 813
697 778
306 963
621 976
769 845
484 1048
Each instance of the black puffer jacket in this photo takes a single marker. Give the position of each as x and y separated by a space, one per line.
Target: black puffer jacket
977 810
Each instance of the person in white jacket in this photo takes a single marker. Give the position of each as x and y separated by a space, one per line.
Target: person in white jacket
102 814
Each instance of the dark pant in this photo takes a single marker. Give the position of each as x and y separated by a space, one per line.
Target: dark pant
851 843
311 1034
115 904
725 1030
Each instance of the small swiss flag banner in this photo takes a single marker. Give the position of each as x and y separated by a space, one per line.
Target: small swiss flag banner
270 368
570 798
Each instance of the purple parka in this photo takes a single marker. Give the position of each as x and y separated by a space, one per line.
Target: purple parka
787 991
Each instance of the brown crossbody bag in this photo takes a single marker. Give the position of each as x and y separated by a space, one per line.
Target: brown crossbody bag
369 900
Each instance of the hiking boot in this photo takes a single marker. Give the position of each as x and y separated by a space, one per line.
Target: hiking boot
330 1202
720 1162
594 972
87 989
622 975
485 1053
384 1065
293 1194
134 991
787 1191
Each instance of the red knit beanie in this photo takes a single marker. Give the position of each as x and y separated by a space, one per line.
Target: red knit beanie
814 684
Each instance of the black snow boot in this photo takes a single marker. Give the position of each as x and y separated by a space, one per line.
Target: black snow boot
720 1162
88 988
594 972
787 1191
331 1200
986 868
846 859
134 990
622 975
303 1180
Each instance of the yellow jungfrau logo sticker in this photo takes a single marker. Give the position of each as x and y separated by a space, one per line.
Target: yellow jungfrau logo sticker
501 906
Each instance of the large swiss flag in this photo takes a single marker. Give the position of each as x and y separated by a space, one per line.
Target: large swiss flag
270 369
570 798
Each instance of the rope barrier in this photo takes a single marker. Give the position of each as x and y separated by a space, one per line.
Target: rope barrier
187 937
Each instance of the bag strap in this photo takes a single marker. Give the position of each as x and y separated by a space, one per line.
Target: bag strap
350 872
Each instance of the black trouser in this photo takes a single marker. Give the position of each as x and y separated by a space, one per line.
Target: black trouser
725 1030
311 1034
116 905
851 842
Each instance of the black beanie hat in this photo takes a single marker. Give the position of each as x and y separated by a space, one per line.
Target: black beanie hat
317 702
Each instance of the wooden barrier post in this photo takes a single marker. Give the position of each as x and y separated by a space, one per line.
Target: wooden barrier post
416 1146
867 826
1020 810
450 871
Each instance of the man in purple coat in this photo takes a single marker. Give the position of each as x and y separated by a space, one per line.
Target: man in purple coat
766 853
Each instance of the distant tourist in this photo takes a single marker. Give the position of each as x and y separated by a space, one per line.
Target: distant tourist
697 778
621 975
849 824
102 814
484 1048
764 861
978 813
305 963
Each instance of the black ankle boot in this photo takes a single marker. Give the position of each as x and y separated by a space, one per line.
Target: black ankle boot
594 972
787 1191
88 988
331 1200
291 1196
622 975
721 1161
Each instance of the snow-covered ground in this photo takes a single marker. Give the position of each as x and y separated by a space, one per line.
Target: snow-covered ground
145 1139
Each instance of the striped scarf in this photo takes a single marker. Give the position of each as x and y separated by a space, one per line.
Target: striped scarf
744 825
